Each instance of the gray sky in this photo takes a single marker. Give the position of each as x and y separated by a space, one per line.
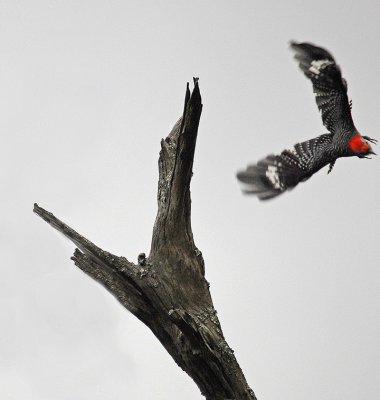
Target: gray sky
87 90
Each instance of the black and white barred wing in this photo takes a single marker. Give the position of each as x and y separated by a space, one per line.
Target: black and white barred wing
275 174
329 87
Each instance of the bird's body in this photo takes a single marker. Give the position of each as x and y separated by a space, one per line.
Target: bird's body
277 173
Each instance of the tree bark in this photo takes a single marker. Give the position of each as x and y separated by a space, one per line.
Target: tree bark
167 291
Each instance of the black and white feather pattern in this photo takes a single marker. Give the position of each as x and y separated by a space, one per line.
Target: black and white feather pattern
275 174
329 87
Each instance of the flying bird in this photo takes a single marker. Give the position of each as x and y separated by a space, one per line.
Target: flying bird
275 174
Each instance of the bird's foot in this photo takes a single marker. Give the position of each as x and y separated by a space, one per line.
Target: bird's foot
368 139
331 166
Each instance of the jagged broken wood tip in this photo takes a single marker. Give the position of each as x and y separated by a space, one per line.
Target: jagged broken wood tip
45 215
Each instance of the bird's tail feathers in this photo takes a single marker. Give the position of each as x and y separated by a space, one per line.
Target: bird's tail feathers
262 179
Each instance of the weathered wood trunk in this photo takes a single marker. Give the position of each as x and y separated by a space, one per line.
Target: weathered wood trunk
167 290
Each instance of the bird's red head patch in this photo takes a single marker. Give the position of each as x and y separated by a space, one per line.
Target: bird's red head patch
358 144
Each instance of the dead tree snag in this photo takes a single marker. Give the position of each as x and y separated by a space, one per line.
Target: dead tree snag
167 290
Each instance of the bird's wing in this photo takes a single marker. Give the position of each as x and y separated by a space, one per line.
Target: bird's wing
275 174
329 87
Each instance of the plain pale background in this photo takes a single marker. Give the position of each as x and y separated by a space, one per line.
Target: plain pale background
87 90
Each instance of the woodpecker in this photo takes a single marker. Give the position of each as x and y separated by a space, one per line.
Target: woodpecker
275 174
